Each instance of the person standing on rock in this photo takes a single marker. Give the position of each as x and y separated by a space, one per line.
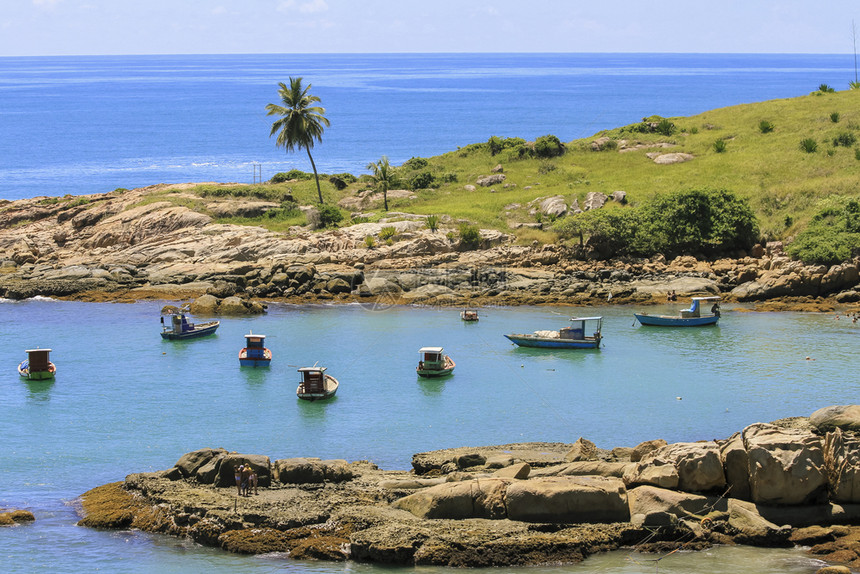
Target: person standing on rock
247 471
237 472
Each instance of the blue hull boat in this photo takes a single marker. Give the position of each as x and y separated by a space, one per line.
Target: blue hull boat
674 321
692 317
254 354
552 343
181 328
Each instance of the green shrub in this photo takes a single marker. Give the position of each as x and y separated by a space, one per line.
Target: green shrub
432 222
854 85
546 167
809 145
337 182
834 117
370 242
857 153
281 177
825 89
665 127
330 215
833 235
387 232
494 144
765 126
548 146
415 163
421 180
720 146
845 139
694 130
470 235
449 177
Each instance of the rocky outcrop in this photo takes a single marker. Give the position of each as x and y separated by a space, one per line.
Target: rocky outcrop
124 245
513 504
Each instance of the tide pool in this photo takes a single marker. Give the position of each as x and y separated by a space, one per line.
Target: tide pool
126 401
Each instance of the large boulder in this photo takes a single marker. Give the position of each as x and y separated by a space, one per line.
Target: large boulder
204 305
583 449
786 465
842 463
221 470
311 471
483 498
568 499
643 448
697 466
586 468
846 417
189 463
651 506
489 180
736 465
553 206
753 529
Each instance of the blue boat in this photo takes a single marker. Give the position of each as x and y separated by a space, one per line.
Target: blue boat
583 333
692 317
255 354
181 328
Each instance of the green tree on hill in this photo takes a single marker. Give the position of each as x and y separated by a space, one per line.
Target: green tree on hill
300 122
383 177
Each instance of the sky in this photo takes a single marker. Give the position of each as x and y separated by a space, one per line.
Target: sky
115 27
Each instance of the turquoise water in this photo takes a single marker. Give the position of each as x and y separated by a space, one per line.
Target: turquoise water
126 401
90 124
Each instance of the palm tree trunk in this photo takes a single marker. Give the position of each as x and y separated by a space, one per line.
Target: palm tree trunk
316 175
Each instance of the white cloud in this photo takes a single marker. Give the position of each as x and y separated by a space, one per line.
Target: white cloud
46 3
313 7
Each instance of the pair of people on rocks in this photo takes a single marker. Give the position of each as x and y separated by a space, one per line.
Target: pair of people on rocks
246 479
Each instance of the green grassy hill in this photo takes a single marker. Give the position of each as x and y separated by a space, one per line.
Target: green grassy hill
760 159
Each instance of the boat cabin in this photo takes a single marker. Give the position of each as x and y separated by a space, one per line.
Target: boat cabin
39 360
255 346
313 379
695 309
581 328
431 357
179 323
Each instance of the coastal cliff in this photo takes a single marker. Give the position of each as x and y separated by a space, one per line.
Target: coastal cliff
791 482
137 244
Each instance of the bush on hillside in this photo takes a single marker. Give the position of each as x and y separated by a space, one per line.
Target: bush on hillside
845 139
421 180
281 177
329 215
470 236
833 236
415 163
765 126
694 221
548 146
809 145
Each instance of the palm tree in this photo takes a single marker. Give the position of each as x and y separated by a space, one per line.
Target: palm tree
383 176
300 122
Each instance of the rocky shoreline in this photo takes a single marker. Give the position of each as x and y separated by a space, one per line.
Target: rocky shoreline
131 245
791 482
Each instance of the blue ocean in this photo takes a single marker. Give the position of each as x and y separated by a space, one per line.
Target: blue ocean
125 401
84 125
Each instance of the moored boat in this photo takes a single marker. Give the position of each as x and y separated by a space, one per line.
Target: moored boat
37 366
255 354
469 315
582 333
434 362
692 317
181 328
316 385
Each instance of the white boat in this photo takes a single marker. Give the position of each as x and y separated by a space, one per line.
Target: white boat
315 384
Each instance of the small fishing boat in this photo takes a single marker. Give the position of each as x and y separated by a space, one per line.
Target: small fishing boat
315 384
37 366
469 315
255 354
583 333
692 317
434 363
181 328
